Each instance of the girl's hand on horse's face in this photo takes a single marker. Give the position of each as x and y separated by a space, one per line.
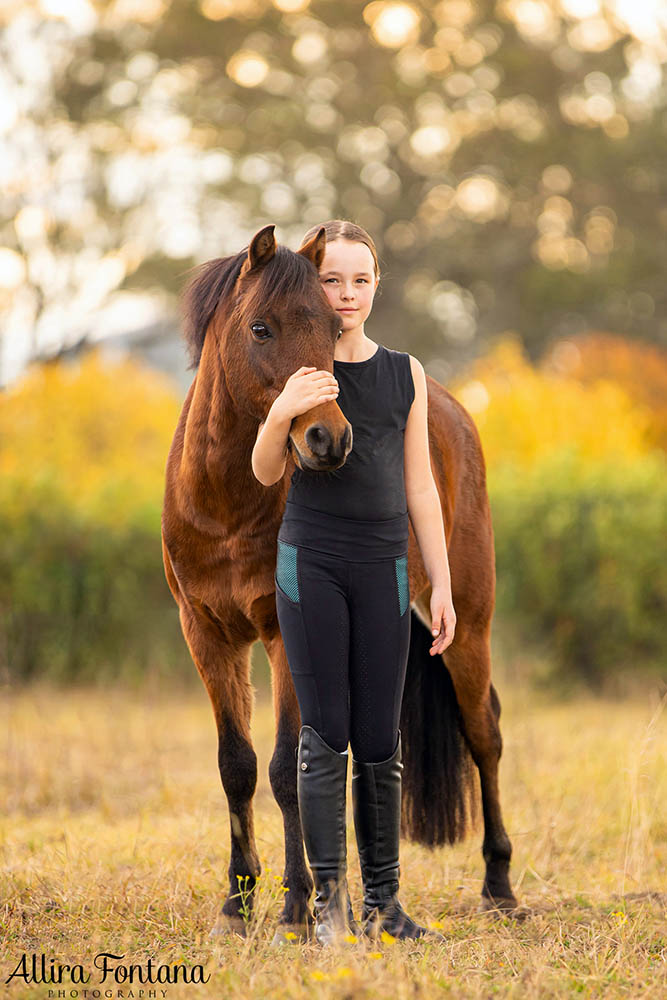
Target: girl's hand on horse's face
443 619
304 389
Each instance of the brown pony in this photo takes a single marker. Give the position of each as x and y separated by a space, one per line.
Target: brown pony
251 319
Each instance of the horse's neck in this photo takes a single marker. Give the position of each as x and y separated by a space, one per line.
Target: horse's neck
217 444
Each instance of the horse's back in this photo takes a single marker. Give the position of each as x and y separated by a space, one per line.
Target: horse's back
456 455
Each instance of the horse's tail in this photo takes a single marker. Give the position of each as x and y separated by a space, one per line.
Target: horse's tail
440 786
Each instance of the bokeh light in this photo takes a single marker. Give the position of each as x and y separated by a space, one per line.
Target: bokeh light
393 24
247 68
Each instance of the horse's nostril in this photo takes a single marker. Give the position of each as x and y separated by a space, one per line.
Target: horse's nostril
318 439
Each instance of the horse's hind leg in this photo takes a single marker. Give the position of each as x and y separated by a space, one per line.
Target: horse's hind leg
225 670
468 660
296 916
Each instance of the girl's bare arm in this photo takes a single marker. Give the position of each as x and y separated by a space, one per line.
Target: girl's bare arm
305 388
269 456
426 513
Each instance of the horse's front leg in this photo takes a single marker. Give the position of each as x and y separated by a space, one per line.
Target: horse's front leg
295 917
225 670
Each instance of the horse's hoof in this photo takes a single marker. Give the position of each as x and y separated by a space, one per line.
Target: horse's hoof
506 906
226 925
290 934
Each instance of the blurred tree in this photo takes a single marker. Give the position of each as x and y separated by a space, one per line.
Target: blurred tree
578 489
507 157
82 588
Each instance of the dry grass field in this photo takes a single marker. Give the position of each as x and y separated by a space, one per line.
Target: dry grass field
114 835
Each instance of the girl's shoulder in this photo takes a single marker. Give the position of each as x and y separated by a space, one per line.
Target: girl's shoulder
414 362
405 360
400 357
405 373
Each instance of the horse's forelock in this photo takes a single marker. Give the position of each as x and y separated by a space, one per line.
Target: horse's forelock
287 276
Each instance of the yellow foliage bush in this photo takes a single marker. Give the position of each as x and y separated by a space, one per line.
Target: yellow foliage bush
638 367
98 432
524 413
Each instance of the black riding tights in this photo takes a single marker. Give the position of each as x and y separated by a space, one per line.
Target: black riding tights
346 630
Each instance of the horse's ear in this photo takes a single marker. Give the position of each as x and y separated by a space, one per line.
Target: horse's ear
262 248
314 249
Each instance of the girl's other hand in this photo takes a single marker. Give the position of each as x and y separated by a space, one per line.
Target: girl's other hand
443 618
305 388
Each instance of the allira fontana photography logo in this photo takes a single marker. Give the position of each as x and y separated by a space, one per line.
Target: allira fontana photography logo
109 970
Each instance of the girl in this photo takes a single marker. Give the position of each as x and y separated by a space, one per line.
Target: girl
342 592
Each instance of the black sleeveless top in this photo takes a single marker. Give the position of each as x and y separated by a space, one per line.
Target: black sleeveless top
363 504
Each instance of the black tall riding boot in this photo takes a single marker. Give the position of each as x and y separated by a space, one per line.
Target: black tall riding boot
376 798
321 787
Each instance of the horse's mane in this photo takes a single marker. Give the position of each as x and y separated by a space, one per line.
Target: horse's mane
288 274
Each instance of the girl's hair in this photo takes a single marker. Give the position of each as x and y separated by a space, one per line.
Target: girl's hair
337 229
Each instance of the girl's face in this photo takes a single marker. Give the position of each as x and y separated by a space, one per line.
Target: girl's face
347 275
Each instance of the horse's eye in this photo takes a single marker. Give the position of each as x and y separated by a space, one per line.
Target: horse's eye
260 330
